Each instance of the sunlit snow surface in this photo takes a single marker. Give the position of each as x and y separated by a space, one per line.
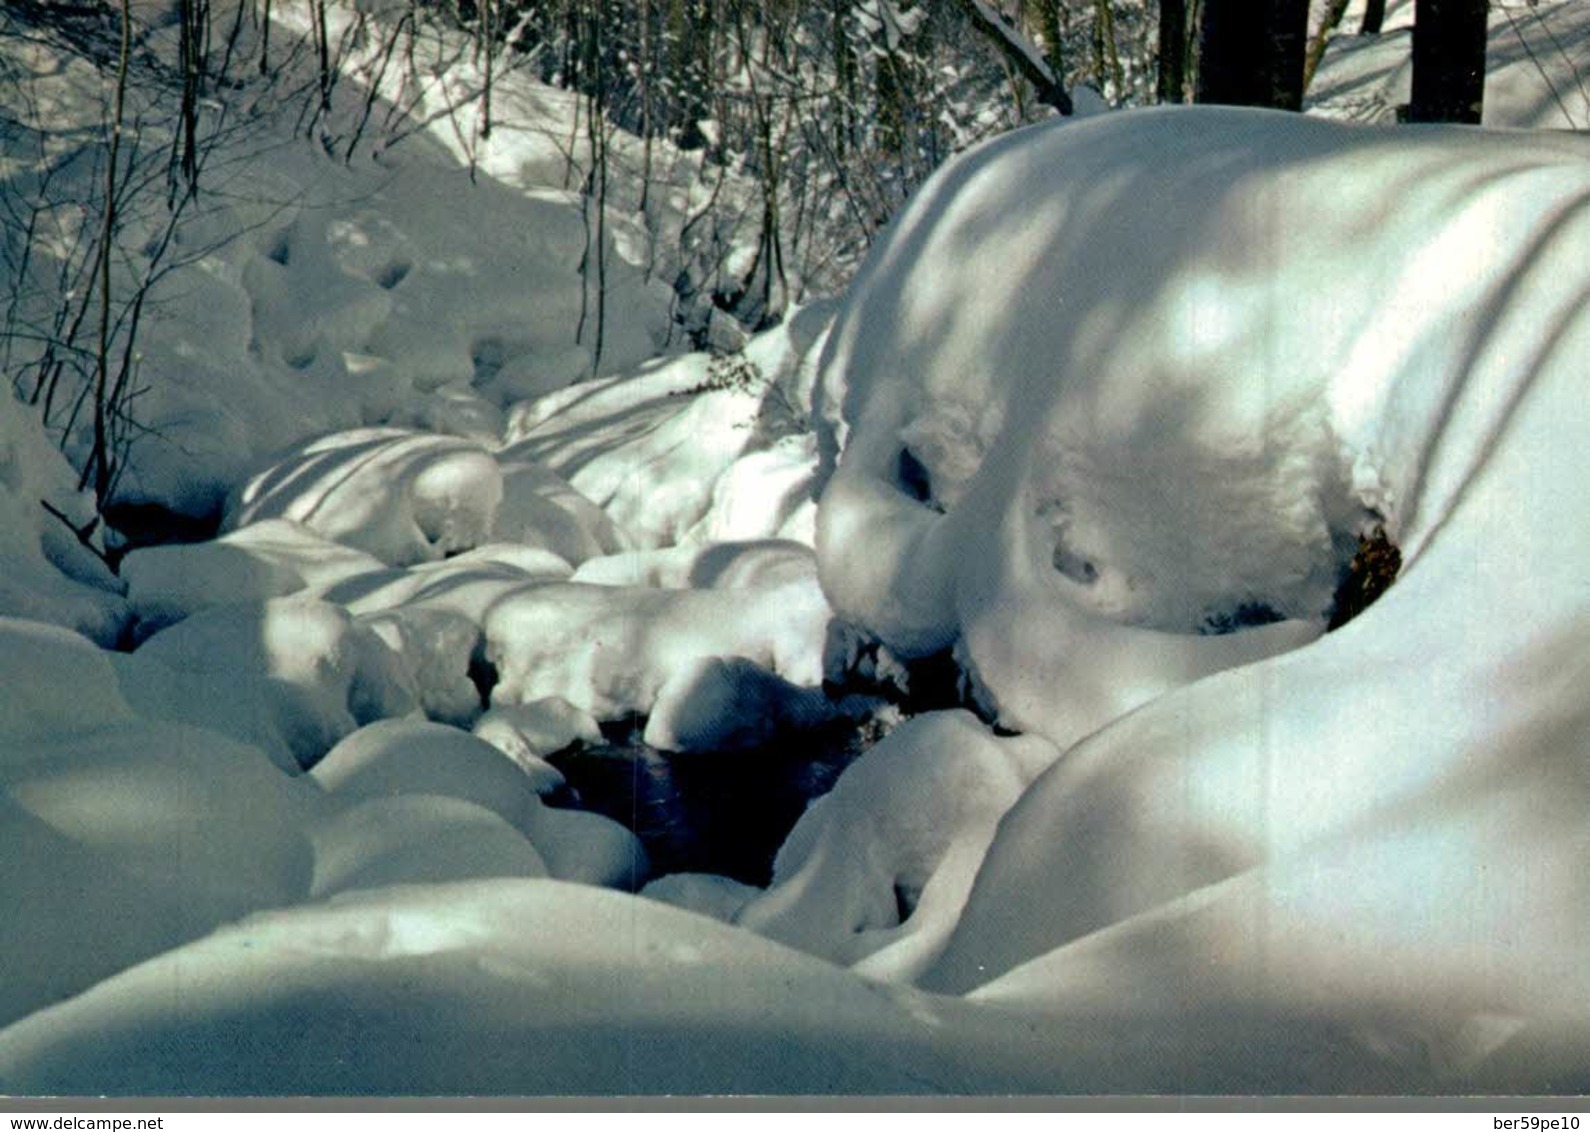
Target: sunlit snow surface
1106 393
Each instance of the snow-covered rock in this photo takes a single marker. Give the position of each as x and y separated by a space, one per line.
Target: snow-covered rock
45 573
1218 343
347 674
526 733
610 650
876 872
539 508
417 839
124 841
270 558
704 893
1123 424
407 758
715 703
403 497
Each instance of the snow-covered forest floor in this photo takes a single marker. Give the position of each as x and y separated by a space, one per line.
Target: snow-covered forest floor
1122 639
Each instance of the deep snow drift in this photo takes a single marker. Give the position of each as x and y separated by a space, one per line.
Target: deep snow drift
1112 447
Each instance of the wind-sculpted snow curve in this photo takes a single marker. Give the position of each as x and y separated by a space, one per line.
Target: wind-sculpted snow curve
1112 392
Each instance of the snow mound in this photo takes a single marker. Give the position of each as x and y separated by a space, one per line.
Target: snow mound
716 703
345 673
1090 445
539 508
124 841
270 558
704 565
406 756
437 648
467 584
416 839
403 758
706 894
519 986
696 448
610 650
403 497
55 682
1243 335
45 573
1535 56
526 733
877 871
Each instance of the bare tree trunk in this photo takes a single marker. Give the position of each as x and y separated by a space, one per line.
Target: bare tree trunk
1107 57
1251 53
1027 60
1448 61
1316 46
488 45
101 461
1173 51
1374 17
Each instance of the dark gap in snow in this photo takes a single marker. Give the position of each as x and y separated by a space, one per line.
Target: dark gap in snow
1074 566
280 250
300 359
1244 615
914 480
393 274
1371 572
722 813
482 673
154 524
906 898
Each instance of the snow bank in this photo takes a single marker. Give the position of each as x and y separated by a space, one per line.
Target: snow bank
403 497
124 841
1219 343
610 650
407 758
343 671
695 449
1536 56
518 987
1113 431
45 573
704 565
877 871
270 558
540 508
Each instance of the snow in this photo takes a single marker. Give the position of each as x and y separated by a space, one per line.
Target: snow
1110 447
342 668
1297 838
1114 468
528 732
611 650
402 497
266 559
124 841
45 574
418 759
876 873
729 564
1537 54
416 839
503 987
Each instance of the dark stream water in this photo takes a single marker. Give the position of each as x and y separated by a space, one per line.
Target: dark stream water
713 813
